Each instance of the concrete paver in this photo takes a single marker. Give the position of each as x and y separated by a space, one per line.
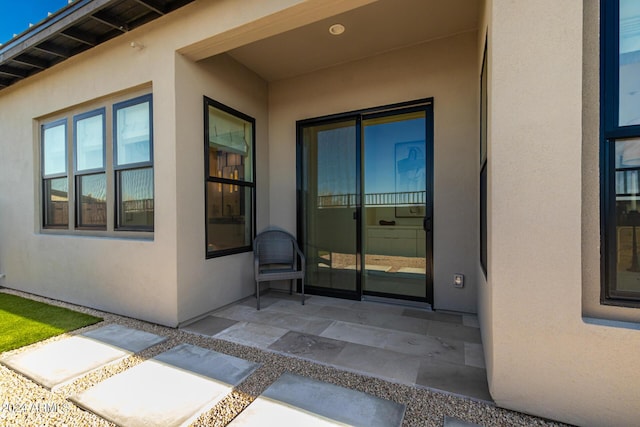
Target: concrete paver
57 363
298 400
172 389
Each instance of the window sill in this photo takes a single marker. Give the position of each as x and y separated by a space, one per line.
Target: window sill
124 235
611 323
225 252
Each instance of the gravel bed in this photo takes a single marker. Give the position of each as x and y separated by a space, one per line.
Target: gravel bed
24 403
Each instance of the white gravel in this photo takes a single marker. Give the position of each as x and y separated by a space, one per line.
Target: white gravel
24 403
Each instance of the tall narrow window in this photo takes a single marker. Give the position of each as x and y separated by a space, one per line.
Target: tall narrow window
54 174
91 180
483 162
133 163
620 81
229 179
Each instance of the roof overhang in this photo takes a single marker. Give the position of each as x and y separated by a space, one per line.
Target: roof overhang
76 28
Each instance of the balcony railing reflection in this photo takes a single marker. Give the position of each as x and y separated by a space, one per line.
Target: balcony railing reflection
405 198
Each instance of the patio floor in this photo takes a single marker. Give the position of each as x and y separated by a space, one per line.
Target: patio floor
436 350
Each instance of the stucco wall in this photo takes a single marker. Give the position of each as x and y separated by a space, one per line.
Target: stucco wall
133 277
443 69
204 285
126 276
545 359
485 294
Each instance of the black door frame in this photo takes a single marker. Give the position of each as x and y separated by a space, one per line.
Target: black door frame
426 105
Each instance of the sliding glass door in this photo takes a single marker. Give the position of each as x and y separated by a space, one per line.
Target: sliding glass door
395 205
330 205
365 211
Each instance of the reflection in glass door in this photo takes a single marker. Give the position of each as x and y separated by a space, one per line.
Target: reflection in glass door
364 183
330 205
395 205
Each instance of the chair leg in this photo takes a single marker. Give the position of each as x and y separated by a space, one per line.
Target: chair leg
291 286
302 290
258 294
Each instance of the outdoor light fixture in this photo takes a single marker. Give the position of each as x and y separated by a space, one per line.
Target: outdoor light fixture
336 29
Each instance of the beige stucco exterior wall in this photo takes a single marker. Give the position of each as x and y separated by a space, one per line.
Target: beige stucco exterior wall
207 284
544 358
443 69
111 274
128 276
485 294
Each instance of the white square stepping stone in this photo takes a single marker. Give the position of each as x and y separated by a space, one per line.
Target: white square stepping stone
301 401
172 389
55 364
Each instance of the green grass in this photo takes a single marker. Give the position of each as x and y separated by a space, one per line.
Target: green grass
23 321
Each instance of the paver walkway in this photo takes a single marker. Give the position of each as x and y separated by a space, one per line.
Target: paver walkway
176 386
60 362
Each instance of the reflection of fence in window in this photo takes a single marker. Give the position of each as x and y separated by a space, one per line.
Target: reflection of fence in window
94 212
138 211
627 195
628 181
406 198
58 212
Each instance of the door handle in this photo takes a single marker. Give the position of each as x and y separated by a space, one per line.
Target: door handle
426 224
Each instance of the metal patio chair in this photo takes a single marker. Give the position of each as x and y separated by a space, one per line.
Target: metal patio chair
275 257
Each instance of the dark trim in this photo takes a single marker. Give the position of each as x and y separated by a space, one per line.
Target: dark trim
424 104
333 293
484 99
395 296
610 132
117 169
124 104
66 148
119 202
45 206
331 118
98 112
208 102
78 204
430 142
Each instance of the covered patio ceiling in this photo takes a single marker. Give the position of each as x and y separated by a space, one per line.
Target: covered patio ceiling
375 28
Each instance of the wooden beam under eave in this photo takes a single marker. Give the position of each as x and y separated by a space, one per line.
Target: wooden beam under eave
150 4
79 36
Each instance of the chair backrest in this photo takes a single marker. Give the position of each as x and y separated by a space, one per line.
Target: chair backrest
275 246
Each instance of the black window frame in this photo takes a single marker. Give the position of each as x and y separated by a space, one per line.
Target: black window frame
72 175
78 174
118 169
49 177
610 133
484 71
208 178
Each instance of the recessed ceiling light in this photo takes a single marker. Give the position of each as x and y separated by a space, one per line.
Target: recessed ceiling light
336 29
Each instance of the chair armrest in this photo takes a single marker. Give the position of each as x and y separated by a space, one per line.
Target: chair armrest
302 259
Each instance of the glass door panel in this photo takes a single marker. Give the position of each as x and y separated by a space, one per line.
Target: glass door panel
330 205
395 205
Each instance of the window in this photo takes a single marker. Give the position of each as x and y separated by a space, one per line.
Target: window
91 181
620 151
133 163
54 174
75 168
483 162
229 179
